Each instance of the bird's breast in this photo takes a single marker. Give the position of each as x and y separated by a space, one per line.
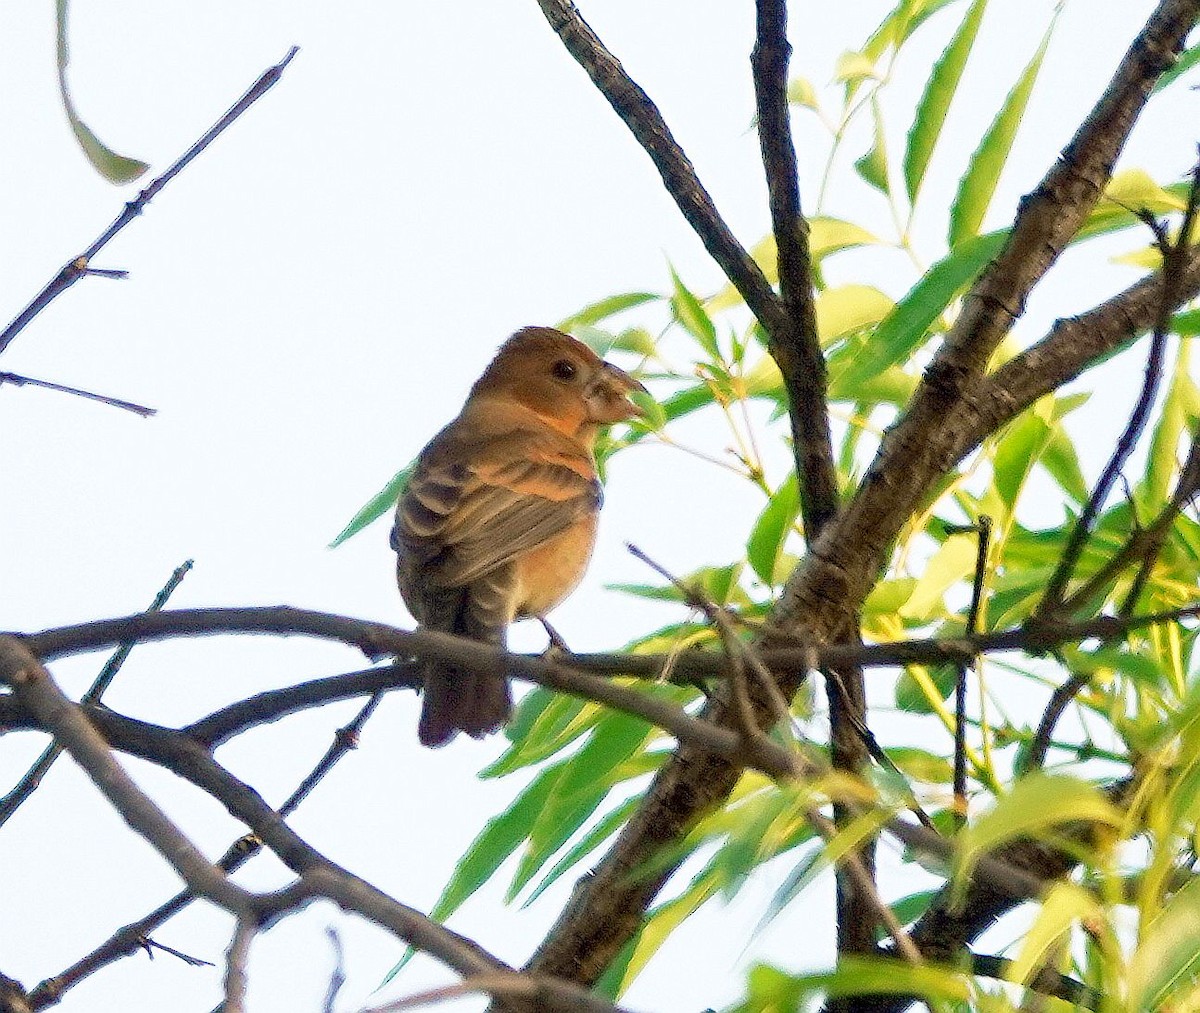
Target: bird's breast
550 572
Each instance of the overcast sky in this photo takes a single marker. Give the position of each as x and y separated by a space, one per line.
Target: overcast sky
306 305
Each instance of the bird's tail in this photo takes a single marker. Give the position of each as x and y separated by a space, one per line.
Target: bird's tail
454 700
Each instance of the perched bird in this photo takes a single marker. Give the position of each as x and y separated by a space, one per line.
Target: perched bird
498 520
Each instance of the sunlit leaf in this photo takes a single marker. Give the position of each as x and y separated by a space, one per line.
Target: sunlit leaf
772 528
1064 905
873 166
983 171
691 314
602 309
800 92
1037 803
952 562
1166 955
904 329
775 991
846 309
935 102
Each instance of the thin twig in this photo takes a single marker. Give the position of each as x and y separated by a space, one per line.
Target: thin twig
34 689
17 380
983 528
80 266
337 977
379 640
127 940
543 993
28 784
1172 273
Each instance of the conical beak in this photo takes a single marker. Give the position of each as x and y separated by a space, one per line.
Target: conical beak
607 396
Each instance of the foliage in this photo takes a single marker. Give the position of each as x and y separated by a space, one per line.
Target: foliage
1138 708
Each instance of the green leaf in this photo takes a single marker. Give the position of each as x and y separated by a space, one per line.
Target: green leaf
605 827
112 166
1183 63
935 102
1178 408
983 172
1166 955
921 764
918 684
775 991
381 503
1019 449
800 92
691 314
847 309
873 166
952 562
903 330
1064 905
1037 803
593 313
500 837
584 783
1062 462
771 530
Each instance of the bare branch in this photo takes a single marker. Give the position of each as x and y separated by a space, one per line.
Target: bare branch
236 960
34 689
80 266
679 177
17 380
28 784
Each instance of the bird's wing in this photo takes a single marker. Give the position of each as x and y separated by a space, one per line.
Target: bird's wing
473 506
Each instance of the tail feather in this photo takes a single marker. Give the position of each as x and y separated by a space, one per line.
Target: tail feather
454 701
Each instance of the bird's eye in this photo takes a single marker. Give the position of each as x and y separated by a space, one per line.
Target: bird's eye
564 369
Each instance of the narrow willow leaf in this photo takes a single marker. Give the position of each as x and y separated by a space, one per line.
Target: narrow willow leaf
935 102
1061 460
771 530
1166 956
873 166
1037 803
800 92
604 308
500 837
952 562
983 172
1019 450
904 330
1163 459
919 686
691 314
774 991
1064 906
381 503
112 166
921 764
664 920
847 309
605 827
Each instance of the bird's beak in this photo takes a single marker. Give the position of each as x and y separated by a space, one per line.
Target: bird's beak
607 396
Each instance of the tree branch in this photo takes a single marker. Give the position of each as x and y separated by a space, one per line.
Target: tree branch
80 266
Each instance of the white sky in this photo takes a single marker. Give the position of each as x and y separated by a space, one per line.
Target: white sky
307 304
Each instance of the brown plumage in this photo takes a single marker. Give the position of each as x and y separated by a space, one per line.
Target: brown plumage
498 520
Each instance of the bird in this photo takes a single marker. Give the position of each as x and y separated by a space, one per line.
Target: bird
498 519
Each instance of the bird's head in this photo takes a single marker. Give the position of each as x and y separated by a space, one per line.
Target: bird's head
562 380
